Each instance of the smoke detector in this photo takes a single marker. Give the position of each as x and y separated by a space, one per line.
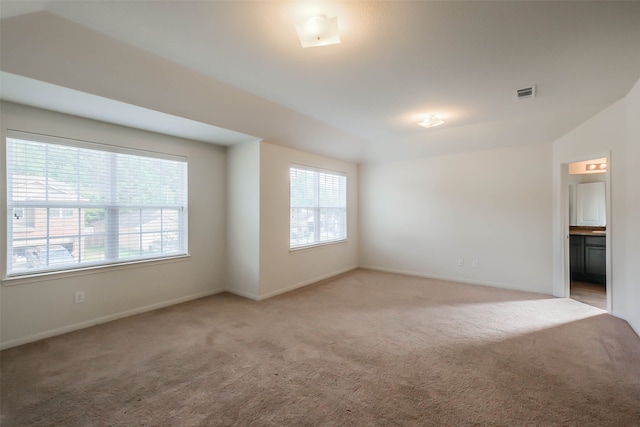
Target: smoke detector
526 92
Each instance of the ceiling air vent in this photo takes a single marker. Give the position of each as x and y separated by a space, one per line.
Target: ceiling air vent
526 92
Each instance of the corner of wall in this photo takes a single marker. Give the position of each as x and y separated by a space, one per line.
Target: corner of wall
243 219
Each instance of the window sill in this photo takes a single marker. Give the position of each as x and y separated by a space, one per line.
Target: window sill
317 245
55 275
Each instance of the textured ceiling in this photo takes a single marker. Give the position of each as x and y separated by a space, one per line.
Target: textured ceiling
360 100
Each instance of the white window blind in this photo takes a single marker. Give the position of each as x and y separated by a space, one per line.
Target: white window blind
318 206
72 204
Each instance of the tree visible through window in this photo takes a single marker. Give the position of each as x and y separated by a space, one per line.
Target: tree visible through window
74 204
318 206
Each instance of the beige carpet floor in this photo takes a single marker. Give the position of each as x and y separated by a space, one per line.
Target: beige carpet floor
363 349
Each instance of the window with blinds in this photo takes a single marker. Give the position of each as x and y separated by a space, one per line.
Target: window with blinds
318 206
73 204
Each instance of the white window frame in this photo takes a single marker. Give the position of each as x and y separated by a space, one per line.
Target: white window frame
316 208
62 209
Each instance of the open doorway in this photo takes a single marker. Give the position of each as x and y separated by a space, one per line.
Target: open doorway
587 235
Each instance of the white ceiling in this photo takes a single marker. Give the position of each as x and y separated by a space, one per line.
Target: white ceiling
359 100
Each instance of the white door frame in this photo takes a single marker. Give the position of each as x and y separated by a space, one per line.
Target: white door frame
564 271
562 266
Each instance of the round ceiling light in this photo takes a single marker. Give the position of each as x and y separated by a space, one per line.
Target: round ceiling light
431 121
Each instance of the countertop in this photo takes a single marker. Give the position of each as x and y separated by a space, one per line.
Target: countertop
588 231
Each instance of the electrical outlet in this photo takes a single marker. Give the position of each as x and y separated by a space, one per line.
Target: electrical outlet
474 263
79 297
460 262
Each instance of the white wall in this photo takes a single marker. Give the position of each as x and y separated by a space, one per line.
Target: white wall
420 216
35 309
585 178
243 219
615 130
632 211
280 269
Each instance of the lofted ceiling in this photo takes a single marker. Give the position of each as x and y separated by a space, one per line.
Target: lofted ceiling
238 67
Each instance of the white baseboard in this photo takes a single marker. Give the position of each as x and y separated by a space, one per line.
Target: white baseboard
636 330
453 279
243 294
104 319
255 297
139 310
623 316
306 282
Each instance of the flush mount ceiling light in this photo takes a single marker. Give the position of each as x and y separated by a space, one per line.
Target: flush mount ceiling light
318 31
431 121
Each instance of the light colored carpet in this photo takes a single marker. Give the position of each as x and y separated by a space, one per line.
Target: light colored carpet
363 349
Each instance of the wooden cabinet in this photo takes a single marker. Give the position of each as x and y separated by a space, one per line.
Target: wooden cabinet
576 255
590 204
595 257
588 258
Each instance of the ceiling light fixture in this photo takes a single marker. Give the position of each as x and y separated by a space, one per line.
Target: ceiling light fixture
431 121
318 31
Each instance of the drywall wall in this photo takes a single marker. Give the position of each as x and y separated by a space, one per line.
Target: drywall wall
632 211
281 269
421 216
34 309
615 130
243 219
586 178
